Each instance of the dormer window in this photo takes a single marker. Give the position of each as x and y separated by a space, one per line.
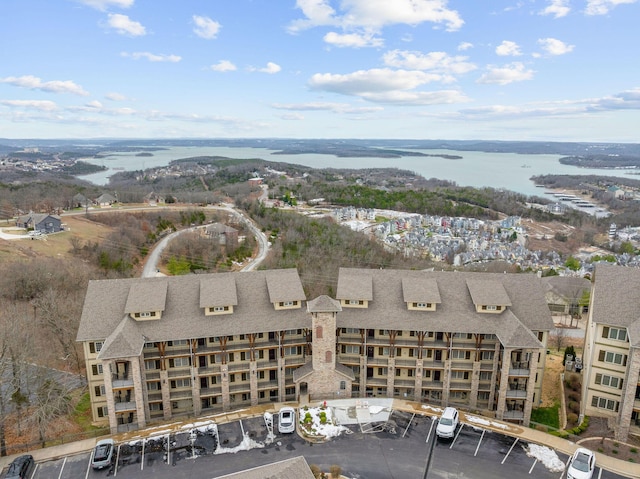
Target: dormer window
491 307
146 315
354 303
287 304
212 310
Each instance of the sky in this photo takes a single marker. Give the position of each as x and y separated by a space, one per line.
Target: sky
545 70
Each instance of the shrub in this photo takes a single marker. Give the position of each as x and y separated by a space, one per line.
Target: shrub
573 396
315 470
572 418
542 428
574 407
336 471
633 450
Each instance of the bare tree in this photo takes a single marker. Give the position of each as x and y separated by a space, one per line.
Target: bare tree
558 337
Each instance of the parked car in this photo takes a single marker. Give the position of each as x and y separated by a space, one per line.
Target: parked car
287 420
102 454
21 467
447 423
582 464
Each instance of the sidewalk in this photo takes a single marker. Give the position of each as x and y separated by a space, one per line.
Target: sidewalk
526 434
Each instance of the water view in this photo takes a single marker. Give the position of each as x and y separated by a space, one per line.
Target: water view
510 171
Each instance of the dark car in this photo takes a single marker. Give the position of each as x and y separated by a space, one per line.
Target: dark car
21 467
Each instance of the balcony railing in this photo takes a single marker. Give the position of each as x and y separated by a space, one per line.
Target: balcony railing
240 387
267 384
516 393
121 382
513 415
179 394
152 374
411 363
155 396
211 391
376 381
184 372
125 406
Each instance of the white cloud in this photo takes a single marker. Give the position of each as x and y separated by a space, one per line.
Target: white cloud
552 46
327 106
386 86
508 49
513 72
353 40
56 86
103 5
206 27
433 61
152 57
94 104
557 8
224 66
464 46
627 100
292 117
271 68
602 7
375 14
114 96
40 105
125 26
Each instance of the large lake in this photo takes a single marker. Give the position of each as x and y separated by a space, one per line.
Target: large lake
510 171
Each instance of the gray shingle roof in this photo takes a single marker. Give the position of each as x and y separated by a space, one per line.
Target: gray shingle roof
486 291
183 318
456 313
294 468
285 286
145 297
616 296
125 341
568 287
323 304
354 284
420 290
218 290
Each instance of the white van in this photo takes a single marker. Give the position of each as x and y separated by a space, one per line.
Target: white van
448 423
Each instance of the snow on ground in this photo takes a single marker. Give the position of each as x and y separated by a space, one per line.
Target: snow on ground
246 444
328 429
485 422
436 410
546 456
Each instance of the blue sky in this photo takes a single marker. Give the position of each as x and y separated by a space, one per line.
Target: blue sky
557 70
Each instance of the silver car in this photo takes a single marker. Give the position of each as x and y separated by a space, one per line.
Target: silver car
102 454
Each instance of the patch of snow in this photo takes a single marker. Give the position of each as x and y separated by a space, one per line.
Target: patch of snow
546 456
328 429
246 444
486 422
437 410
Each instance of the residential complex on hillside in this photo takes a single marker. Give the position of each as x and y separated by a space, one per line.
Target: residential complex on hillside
611 378
158 348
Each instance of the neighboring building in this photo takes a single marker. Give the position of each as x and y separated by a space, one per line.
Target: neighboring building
225 235
40 222
294 468
156 348
565 294
255 181
154 199
80 201
611 359
106 199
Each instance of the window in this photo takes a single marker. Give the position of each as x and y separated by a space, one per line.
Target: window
459 374
154 386
458 395
614 333
231 357
243 356
288 304
147 314
219 309
356 302
152 364
96 369
155 406
422 305
485 375
100 390
180 383
350 349
611 357
460 354
245 376
95 347
103 411
410 372
319 332
179 362
382 371
383 351
609 381
343 385
487 355
292 350
604 403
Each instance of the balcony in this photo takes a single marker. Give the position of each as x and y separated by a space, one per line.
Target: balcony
209 370
121 382
211 391
155 396
516 393
511 415
462 365
460 385
179 394
266 384
380 361
152 374
407 363
238 366
294 361
431 384
519 368
376 382
125 406
244 387
180 373
409 383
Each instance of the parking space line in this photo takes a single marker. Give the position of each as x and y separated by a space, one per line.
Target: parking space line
456 437
168 449
407 428
533 465
479 442
600 473
35 469
430 429
242 427
86 476
115 469
62 468
144 443
510 449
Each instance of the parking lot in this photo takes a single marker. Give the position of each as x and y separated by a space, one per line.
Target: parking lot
206 450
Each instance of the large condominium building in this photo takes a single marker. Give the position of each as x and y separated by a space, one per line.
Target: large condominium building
611 383
187 345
